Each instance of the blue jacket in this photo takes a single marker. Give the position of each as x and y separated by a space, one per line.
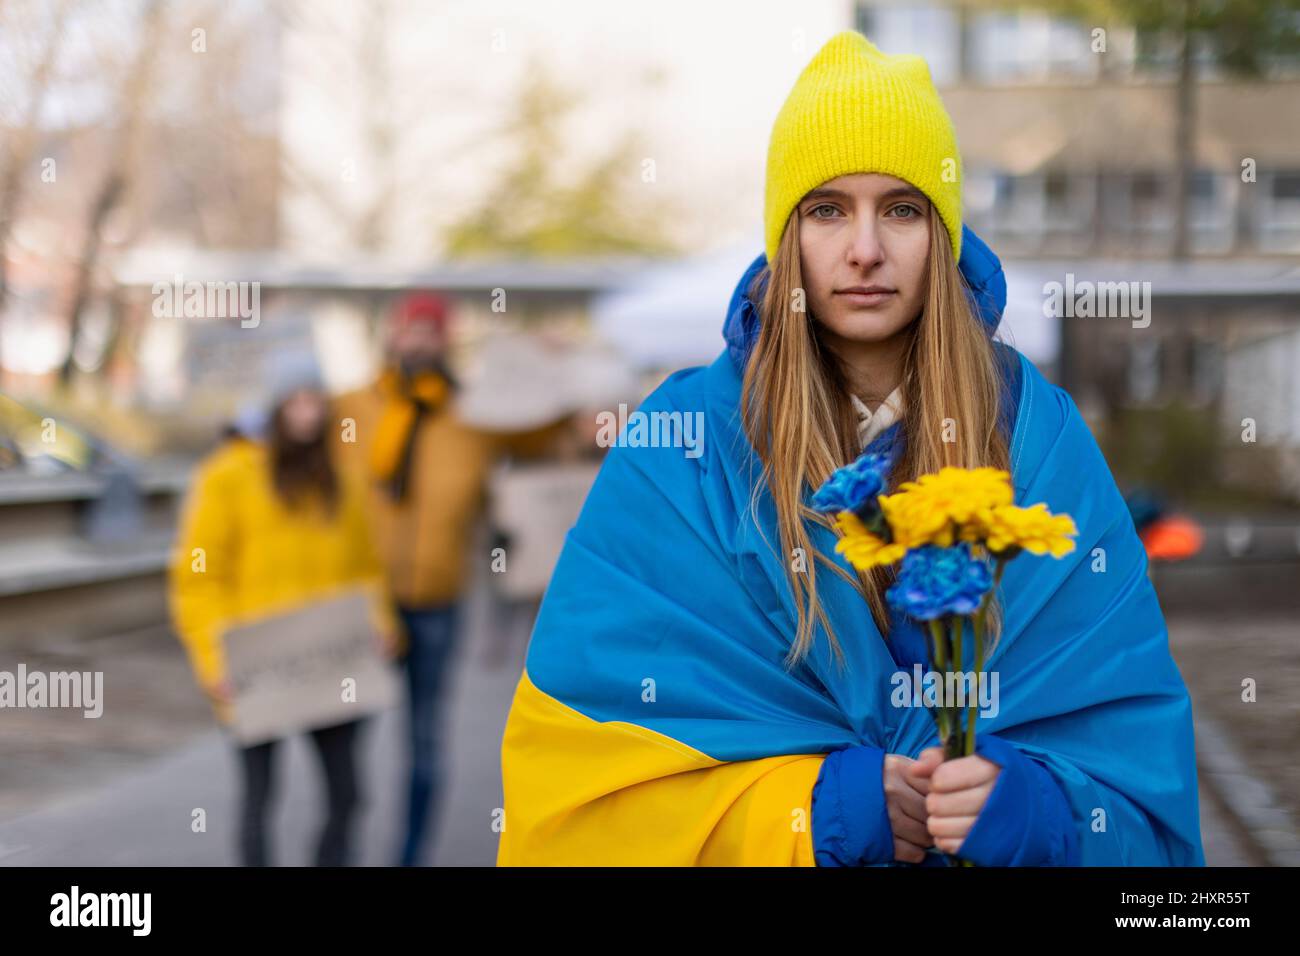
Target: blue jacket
1026 820
656 720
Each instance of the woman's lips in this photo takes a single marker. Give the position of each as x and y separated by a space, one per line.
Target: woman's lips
866 298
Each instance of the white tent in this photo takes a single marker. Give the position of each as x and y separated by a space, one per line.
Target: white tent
522 381
672 316
1023 322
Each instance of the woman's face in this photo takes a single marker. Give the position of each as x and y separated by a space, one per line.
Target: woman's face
864 231
303 415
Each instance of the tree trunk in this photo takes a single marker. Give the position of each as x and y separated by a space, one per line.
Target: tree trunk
1184 137
134 98
22 146
84 282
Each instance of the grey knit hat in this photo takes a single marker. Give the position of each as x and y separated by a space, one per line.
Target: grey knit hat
285 372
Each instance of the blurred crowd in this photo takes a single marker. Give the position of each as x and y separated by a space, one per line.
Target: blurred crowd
381 488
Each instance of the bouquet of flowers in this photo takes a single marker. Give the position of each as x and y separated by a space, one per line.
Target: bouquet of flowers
953 533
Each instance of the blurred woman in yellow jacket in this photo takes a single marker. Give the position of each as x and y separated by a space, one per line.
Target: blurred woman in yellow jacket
270 526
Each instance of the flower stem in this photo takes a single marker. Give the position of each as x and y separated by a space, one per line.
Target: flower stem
956 624
977 625
940 656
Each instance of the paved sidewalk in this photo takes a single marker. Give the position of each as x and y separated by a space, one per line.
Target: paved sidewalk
1248 748
88 793
121 792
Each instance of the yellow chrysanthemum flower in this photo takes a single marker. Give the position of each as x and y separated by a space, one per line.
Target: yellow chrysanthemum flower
860 547
946 506
1035 529
916 521
961 491
955 504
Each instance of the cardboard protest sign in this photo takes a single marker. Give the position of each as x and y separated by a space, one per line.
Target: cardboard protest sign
312 667
534 506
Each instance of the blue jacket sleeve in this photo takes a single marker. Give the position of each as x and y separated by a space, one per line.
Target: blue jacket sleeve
1026 820
850 819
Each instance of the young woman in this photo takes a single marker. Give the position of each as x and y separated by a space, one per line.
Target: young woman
269 526
710 683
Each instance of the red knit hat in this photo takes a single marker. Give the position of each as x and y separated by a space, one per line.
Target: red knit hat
421 307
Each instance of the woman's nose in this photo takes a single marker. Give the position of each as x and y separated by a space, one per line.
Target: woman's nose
864 245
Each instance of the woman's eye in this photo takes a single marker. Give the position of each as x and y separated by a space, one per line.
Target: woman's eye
906 207
813 211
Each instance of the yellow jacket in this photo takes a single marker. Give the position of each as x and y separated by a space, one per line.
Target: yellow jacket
423 539
241 554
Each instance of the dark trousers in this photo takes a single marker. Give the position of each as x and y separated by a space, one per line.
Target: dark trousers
431 639
336 747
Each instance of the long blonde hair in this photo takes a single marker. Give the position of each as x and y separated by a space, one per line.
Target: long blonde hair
800 420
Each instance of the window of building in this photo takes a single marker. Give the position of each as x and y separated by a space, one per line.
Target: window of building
929 30
1278 221
1206 371
1028 46
1144 356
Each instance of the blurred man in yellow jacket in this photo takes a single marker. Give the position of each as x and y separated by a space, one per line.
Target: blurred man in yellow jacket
270 524
427 473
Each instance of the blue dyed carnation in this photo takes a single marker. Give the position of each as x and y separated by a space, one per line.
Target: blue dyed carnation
934 581
855 487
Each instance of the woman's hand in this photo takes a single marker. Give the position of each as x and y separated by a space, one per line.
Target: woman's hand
956 791
219 691
906 806
389 643
221 696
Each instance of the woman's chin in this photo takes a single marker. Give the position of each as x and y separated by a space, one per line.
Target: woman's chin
865 325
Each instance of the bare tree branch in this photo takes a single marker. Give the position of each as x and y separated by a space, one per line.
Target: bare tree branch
122 163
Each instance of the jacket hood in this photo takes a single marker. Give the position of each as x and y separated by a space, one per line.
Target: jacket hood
980 267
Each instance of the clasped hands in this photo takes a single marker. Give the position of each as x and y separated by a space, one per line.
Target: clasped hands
933 802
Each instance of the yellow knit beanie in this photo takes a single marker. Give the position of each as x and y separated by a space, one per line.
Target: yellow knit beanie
857 110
